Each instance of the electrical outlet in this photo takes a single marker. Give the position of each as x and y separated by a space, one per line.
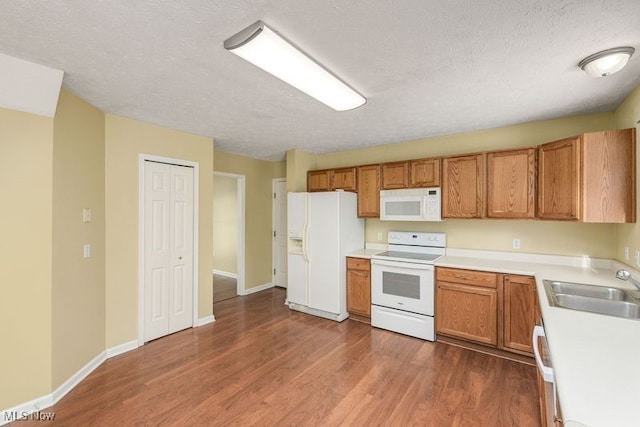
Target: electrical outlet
637 258
86 251
515 243
626 253
380 235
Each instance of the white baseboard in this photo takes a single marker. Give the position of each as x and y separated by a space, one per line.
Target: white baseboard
23 410
122 348
205 320
75 379
258 288
225 273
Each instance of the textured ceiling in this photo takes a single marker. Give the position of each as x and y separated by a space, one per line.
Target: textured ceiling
426 67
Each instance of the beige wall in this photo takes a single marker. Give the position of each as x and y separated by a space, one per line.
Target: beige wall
258 204
26 151
553 237
78 284
298 163
628 235
225 224
125 139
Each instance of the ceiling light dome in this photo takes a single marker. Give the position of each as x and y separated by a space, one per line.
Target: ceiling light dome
607 62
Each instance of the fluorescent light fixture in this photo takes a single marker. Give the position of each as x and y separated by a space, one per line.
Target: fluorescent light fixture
607 62
264 48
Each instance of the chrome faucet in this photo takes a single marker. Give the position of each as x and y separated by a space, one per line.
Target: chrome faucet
625 275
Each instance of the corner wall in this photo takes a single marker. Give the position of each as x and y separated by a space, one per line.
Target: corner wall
77 283
26 158
125 139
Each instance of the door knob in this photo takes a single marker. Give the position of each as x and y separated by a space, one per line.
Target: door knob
180 258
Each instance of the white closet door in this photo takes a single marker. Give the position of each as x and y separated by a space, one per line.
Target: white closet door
168 241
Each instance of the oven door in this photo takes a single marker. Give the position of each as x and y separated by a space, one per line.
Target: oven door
402 285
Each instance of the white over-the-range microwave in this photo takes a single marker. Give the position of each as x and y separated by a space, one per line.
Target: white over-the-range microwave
411 204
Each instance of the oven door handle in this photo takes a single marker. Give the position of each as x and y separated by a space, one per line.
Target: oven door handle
407 265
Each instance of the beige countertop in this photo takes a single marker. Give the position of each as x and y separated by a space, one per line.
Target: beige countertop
366 253
596 358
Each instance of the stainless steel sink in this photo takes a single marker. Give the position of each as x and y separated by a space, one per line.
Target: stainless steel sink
594 299
591 291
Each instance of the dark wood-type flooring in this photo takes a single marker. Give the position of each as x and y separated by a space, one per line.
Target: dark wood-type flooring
223 288
261 364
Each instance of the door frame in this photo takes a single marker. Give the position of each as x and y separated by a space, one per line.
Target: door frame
273 227
240 257
142 158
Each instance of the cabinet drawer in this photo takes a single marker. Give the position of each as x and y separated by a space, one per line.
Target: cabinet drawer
467 277
358 264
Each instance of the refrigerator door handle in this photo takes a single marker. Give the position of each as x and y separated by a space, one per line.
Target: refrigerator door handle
305 242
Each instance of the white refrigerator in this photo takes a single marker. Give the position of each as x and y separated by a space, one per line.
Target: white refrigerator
322 229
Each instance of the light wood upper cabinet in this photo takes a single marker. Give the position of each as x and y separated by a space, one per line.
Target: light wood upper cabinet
559 195
369 191
520 312
424 173
332 179
609 176
590 178
359 286
395 175
463 186
319 180
511 183
343 179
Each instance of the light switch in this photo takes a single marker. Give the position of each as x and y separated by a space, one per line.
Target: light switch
86 251
86 215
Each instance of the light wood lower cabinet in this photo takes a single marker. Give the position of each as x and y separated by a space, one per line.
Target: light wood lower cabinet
520 308
359 286
466 305
492 309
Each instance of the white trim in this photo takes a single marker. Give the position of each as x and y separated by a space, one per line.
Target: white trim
40 403
75 379
122 348
25 409
240 256
274 246
196 210
258 288
205 320
225 273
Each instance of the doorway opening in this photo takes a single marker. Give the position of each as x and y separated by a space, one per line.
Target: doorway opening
228 235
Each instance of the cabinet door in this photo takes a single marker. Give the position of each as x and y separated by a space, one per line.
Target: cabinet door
369 191
609 184
359 292
395 175
424 173
343 179
319 180
467 312
511 184
559 194
463 186
520 308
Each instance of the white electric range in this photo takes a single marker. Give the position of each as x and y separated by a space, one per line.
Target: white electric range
402 283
